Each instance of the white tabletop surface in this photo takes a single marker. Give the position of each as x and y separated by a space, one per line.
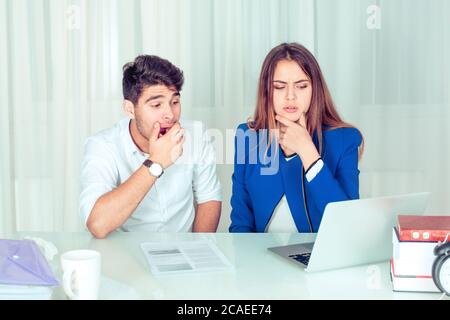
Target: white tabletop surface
257 273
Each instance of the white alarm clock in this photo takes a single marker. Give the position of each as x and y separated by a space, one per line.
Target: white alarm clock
441 267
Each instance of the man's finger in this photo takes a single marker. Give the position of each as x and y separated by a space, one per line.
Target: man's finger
182 140
155 132
174 128
179 135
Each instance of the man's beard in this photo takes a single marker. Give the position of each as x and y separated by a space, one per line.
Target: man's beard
140 128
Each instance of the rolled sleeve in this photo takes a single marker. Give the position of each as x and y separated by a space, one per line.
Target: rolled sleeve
98 175
314 170
343 185
206 185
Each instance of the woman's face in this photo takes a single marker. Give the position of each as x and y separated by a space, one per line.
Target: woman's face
292 90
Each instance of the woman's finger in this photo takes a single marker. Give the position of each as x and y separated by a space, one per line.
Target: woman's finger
302 120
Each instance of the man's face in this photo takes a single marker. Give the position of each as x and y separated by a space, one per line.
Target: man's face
157 103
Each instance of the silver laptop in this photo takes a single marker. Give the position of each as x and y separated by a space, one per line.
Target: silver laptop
354 232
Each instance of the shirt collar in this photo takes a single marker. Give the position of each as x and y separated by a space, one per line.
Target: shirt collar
130 146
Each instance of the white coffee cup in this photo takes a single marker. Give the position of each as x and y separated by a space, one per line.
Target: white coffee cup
81 278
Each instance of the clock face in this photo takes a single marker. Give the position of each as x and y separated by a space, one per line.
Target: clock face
444 275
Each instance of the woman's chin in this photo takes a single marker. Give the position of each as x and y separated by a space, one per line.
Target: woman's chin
294 117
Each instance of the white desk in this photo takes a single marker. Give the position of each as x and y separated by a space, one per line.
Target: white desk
258 273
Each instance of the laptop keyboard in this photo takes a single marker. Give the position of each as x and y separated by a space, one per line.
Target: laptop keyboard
302 258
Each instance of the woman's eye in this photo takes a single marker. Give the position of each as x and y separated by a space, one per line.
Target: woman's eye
304 86
279 88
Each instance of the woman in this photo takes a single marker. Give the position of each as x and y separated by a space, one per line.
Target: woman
317 152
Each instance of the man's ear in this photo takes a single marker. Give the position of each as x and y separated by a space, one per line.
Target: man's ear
128 107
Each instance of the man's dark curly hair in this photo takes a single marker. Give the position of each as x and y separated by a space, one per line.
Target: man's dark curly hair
147 70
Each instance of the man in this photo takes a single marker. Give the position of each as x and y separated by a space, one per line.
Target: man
135 175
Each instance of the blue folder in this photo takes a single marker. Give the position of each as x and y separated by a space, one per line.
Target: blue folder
22 263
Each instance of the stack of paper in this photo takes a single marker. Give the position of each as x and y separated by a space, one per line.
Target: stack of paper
411 265
13 292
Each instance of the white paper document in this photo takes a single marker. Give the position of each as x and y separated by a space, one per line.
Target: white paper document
24 292
184 256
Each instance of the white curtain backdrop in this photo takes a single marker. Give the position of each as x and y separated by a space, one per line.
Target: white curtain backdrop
392 81
386 62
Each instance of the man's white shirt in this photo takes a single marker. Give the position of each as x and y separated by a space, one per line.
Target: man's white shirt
111 157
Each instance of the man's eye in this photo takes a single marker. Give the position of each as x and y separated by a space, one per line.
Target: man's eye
176 102
156 105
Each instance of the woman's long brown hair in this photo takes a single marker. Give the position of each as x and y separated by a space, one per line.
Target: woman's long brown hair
321 110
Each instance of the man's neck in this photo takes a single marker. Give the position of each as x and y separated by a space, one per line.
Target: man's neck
137 138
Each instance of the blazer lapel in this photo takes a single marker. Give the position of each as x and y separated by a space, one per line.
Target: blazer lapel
291 172
273 188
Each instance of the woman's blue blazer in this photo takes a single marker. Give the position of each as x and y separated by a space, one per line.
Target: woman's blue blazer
259 184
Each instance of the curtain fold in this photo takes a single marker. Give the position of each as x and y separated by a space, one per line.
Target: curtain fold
392 82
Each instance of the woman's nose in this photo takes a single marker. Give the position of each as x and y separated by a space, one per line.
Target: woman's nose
290 94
